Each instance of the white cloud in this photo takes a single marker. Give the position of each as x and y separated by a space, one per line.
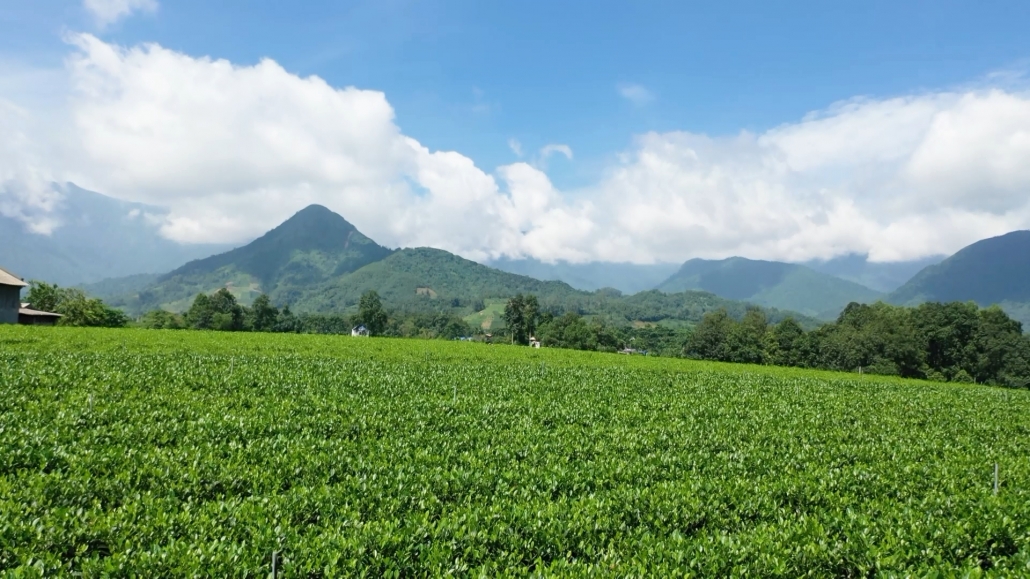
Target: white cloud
515 146
107 12
551 149
636 94
233 150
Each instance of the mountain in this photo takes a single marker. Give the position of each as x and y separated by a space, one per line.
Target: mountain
115 287
628 278
425 276
990 271
426 279
317 262
882 277
311 247
770 283
98 237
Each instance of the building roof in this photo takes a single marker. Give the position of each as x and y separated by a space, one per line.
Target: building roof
29 312
8 278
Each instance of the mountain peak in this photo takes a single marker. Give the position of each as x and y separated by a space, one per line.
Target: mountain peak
990 271
315 221
313 245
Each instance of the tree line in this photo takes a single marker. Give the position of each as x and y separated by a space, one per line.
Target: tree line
954 342
221 311
75 307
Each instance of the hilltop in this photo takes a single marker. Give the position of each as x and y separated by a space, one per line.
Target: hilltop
309 248
990 271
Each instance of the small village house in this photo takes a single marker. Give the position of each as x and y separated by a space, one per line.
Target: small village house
13 310
31 317
359 331
10 297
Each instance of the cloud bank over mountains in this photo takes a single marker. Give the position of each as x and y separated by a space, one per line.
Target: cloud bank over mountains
233 150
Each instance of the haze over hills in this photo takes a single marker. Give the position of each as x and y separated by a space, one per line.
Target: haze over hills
770 283
990 271
98 237
883 277
626 277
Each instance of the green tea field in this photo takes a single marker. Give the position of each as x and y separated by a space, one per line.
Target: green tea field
169 454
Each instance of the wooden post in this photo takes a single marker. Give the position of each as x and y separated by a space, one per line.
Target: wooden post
995 479
275 564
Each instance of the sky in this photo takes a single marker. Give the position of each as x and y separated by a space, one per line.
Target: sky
640 132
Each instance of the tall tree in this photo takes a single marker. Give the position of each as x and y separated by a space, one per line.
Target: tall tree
513 311
263 314
371 313
521 315
44 296
709 341
200 314
75 307
745 342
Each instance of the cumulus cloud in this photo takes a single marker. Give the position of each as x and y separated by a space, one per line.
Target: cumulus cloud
636 94
107 12
26 190
232 150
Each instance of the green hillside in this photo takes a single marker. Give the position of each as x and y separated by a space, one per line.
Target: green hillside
991 271
428 277
433 279
770 283
311 247
116 287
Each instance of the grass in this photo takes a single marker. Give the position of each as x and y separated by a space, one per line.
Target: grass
490 317
160 453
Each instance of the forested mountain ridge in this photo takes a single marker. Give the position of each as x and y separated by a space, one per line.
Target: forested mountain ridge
770 283
307 249
317 262
427 279
422 276
990 271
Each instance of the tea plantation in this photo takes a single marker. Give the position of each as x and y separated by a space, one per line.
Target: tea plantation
165 454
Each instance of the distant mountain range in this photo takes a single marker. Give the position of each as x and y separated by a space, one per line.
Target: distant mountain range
881 277
99 238
770 283
628 278
317 261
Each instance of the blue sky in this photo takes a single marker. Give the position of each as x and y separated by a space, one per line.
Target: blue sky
471 77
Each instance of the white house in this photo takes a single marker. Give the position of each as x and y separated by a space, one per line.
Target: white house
359 331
